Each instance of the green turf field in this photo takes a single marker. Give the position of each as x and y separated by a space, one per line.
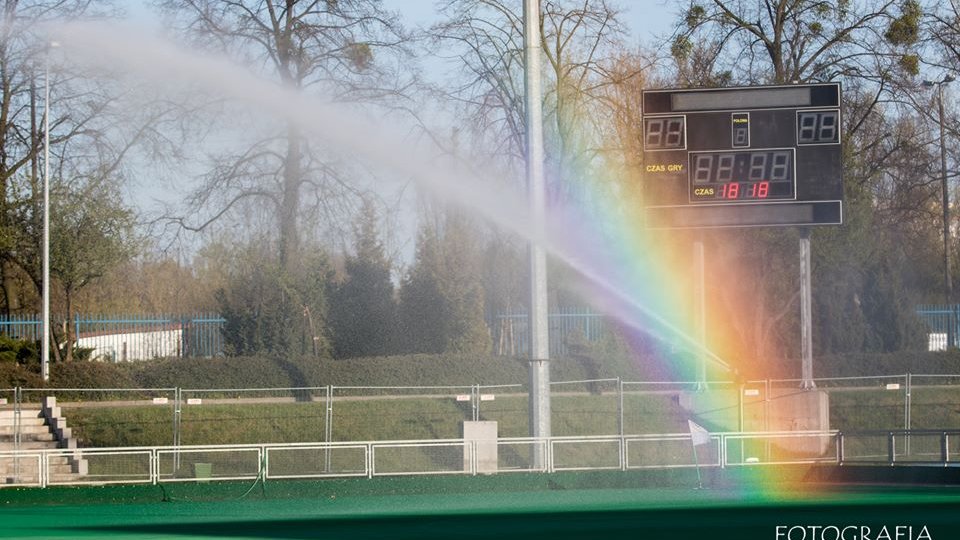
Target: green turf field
527 506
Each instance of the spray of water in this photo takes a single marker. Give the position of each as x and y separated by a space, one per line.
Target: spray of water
353 133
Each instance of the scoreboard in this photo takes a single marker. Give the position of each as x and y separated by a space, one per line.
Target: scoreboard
743 157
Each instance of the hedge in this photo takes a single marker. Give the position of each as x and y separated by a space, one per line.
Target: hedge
418 370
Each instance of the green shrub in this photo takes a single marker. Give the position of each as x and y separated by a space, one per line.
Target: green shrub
879 364
79 374
13 375
18 350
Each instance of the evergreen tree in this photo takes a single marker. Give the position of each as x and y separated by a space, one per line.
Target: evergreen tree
424 316
442 298
362 311
463 290
271 309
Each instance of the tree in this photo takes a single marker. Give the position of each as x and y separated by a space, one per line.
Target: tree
424 320
781 41
272 310
362 308
579 40
442 298
91 231
342 48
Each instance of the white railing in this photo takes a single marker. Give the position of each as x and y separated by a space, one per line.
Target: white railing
98 466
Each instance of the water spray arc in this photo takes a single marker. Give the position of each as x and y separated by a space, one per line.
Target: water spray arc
354 134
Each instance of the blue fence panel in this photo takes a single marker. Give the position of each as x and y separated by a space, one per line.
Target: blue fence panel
566 327
22 327
943 323
122 338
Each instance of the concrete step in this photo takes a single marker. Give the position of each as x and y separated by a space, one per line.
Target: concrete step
54 460
33 436
33 478
28 445
11 430
29 466
22 479
24 413
24 421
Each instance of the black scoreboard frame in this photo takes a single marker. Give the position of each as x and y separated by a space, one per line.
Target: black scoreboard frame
757 156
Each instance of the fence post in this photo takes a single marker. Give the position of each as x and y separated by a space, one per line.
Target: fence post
945 449
620 426
475 401
908 410
184 337
908 402
891 447
328 427
840 442
177 413
17 399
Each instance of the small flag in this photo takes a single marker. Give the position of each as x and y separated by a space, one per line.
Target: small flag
698 433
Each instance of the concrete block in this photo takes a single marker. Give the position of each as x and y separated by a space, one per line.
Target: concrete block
484 434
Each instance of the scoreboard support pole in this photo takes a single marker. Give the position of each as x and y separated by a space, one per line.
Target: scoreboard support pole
700 309
806 312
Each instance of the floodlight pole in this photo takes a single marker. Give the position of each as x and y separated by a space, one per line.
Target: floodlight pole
45 332
539 338
947 270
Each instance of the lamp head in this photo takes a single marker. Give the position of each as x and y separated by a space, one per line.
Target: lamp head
948 78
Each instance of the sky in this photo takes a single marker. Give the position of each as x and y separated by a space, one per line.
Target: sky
643 18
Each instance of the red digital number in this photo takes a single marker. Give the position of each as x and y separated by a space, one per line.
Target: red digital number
760 190
733 190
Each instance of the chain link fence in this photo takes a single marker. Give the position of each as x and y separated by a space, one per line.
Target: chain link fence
374 413
115 417
858 403
252 415
111 418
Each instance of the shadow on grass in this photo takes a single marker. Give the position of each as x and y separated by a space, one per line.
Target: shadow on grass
741 522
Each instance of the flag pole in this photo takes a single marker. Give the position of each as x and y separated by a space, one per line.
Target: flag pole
696 462
698 436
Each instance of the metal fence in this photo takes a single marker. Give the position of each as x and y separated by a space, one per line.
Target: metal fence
121 338
943 325
100 418
568 327
157 465
172 435
368 459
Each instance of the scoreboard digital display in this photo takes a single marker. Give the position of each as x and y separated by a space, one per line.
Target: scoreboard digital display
741 157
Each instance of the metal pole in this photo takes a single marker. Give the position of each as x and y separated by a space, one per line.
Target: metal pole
620 427
947 270
700 307
539 338
947 265
806 312
45 337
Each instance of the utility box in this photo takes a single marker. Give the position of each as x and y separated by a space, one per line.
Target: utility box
481 435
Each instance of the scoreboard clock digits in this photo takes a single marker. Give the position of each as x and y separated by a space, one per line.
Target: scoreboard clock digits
755 175
664 133
818 127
